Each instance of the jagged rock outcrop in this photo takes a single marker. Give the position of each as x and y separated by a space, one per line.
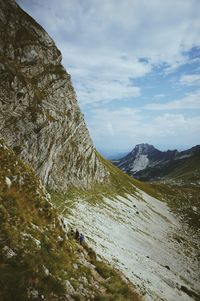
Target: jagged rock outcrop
39 115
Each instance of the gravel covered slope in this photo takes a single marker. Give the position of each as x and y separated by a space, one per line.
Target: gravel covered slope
139 235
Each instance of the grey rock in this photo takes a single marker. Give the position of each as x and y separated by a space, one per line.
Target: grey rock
8 252
32 293
39 115
69 287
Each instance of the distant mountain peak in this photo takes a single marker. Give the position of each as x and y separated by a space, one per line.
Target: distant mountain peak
148 163
143 147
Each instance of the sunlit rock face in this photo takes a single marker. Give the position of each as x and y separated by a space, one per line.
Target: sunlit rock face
39 117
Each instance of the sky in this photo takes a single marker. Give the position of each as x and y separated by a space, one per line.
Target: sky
135 66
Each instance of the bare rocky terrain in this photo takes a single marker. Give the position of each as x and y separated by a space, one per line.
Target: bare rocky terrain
143 239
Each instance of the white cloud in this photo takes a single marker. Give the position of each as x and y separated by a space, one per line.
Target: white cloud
120 120
100 91
190 101
130 127
104 77
190 79
102 41
159 95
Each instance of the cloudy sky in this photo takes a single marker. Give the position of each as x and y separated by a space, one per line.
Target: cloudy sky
135 65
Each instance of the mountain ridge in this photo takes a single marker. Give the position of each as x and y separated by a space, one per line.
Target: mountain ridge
145 162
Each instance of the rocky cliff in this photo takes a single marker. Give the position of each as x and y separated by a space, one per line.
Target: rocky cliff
39 117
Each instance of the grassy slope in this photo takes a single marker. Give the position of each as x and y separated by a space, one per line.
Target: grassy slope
26 218
189 171
36 257
118 183
181 191
184 200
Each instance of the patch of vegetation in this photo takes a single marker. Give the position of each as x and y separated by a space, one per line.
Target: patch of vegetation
104 270
34 252
189 171
184 200
117 290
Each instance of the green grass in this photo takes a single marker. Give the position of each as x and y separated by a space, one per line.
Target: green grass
116 289
27 217
184 200
189 171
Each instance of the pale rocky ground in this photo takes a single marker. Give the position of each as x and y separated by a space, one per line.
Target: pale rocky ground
136 235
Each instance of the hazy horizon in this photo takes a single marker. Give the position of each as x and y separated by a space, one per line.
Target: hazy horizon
113 154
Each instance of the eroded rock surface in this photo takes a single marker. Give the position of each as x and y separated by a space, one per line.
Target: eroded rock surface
39 115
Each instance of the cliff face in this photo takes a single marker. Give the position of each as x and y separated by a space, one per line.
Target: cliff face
39 117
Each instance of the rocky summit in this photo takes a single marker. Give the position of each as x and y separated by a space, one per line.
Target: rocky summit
39 117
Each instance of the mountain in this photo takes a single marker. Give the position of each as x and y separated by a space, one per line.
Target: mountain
145 162
39 117
52 179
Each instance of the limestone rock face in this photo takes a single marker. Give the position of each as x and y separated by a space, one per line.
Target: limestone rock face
39 115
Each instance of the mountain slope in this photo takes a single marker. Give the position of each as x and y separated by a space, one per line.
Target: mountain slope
138 234
39 117
189 170
30 231
38 259
176 180
145 162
